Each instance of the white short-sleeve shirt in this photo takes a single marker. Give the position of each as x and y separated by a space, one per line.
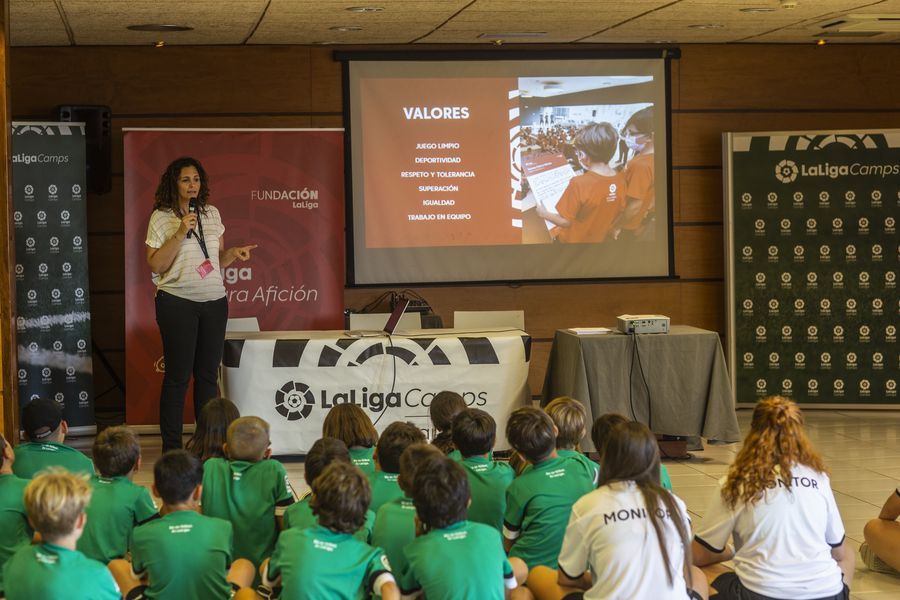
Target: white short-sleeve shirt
182 278
610 533
783 542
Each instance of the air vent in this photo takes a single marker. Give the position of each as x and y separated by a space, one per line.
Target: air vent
848 34
874 23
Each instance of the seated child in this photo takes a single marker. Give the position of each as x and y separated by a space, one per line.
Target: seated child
117 505
208 440
474 432
600 432
45 430
630 538
452 557
881 550
326 561
569 417
395 522
324 451
350 424
15 530
55 502
539 501
246 488
183 554
444 407
393 441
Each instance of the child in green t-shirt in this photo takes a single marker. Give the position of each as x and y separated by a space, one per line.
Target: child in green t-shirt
393 441
444 407
474 432
117 504
395 521
55 501
45 429
569 417
538 501
15 531
600 432
183 554
452 557
324 451
350 424
247 489
327 561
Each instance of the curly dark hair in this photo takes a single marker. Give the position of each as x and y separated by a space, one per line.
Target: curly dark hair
440 492
166 197
340 497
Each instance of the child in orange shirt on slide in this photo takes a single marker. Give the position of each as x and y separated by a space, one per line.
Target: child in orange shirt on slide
593 201
636 220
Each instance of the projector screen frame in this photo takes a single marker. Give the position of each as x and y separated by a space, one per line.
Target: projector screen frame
666 54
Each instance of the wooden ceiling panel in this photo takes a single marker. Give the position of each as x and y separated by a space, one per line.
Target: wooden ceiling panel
37 23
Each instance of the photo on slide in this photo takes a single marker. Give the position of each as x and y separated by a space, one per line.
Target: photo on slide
583 166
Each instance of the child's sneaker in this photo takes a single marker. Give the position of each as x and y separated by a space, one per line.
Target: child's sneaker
873 562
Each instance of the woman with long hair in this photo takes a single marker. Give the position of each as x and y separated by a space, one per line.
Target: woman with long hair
776 502
629 538
186 253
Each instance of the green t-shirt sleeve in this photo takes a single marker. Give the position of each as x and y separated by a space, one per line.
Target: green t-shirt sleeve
406 579
137 558
664 478
286 517
284 494
229 546
378 566
515 513
144 508
274 569
364 533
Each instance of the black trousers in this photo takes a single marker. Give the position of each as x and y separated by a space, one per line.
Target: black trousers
193 335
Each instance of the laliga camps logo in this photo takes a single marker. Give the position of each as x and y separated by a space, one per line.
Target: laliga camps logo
878 361
57 346
294 400
772 200
760 333
839 387
52 189
759 226
774 306
746 200
748 360
760 387
159 365
787 333
786 171
812 387
825 359
29 190
799 360
785 225
890 387
774 360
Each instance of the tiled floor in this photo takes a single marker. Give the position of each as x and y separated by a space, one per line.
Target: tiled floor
862 449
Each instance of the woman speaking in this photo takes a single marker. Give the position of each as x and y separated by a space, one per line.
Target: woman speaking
186 252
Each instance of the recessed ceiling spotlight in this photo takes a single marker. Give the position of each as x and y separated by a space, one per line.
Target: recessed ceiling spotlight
661 42
345 28
706 26
364 9
757 9
159 27
159 44
324 43
821 42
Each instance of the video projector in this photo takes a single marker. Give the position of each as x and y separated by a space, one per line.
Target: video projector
637 324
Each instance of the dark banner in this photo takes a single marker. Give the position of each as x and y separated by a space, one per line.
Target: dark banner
813 260
54 314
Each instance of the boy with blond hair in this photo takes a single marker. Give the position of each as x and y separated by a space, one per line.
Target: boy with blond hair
117 504
15 531
247 488
55 503
570 419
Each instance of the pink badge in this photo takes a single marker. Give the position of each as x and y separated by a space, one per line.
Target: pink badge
205 268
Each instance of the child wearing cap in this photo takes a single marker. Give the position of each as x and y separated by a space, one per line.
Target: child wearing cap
183 554
393 441
117 504
247 488
452 557
15 531
327 561
45 430
324 451
474 432
55 503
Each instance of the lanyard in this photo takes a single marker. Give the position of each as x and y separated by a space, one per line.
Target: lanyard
200 238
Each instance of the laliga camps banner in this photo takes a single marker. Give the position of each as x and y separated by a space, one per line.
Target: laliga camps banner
53 326
280 189
813 258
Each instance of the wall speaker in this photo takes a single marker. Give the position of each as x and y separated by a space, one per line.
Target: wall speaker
98 142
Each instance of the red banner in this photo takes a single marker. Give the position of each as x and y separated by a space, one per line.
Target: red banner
280 189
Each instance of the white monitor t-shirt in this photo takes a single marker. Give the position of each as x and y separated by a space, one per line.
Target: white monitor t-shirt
783 542
609 532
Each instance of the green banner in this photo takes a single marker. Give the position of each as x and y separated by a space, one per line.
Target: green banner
53 325
813 259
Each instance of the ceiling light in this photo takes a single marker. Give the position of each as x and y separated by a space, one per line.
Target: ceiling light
345 28
364 9
821 42
661 42
159 27
159 44
757 9
706 26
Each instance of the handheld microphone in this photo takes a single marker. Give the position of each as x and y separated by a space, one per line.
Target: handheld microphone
192 208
